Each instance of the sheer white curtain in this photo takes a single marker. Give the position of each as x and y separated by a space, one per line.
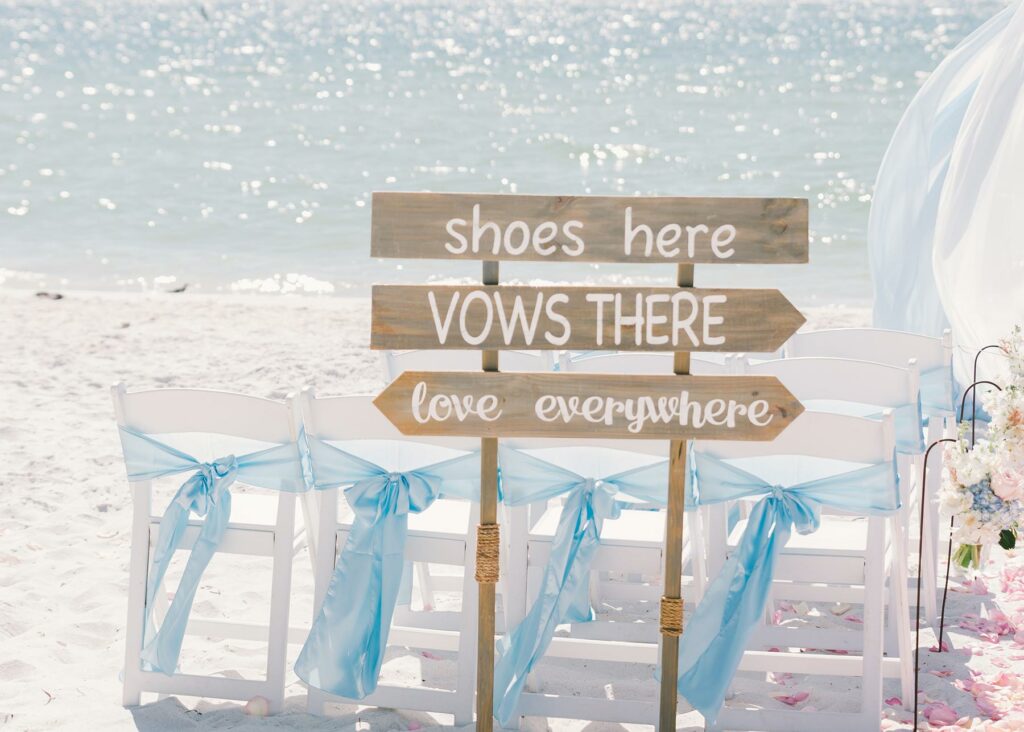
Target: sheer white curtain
946 230
978 255
902 223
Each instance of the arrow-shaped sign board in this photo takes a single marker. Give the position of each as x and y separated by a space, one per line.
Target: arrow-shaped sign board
580 318
588 405
664 229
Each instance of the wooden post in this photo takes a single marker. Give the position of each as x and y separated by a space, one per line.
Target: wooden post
677 475
488 517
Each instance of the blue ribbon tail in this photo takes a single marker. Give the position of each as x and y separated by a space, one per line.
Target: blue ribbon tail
717 633
163 648
345 648
564 594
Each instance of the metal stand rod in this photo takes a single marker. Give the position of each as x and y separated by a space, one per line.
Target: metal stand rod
677 474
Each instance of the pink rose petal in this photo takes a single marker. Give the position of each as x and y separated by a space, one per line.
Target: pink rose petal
793 699
940 713
894 701
430 656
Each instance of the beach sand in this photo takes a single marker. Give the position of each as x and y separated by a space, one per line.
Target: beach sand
64 527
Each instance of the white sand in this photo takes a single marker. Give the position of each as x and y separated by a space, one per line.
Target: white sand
64 528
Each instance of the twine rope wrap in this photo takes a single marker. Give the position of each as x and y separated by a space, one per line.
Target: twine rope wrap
487 550
672 616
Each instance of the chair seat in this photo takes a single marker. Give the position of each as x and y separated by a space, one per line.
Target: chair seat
632 528
837 536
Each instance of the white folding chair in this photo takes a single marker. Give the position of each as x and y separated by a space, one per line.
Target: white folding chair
630 545
815 436
934 357
209 424
441 535
863 388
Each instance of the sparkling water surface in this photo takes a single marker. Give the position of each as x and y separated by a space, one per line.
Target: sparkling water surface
233 145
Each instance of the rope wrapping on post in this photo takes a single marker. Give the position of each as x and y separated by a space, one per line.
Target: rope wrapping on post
488 538
672 616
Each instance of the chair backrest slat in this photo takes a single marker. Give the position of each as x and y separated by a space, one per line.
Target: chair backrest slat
395 362
642 363
175 411
891 347
818 434
865 382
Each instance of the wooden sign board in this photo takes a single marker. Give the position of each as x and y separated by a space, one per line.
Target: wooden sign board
589 228
588 405
580 318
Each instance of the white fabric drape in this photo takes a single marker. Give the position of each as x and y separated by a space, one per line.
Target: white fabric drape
942 224
910 181
978 254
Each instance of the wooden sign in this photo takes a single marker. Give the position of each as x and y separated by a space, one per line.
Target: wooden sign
580 318
489 317
588 405
589 228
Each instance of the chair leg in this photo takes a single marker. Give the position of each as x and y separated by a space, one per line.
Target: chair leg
426 585
874 620
514 593
465 684
137 579
310 520
315 702
899 611
695 524
280 599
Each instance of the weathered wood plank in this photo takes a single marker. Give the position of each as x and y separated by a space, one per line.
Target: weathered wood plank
588 405
589 228
582 318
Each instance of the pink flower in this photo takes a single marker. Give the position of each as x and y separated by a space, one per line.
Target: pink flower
1008 485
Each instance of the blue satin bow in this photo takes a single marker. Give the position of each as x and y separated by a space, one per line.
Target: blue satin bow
565 592
206 494
345 647
717 633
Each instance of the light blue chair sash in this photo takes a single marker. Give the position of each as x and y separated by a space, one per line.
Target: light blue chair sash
717 633
938 394
565 592
206 494
907 420
346 644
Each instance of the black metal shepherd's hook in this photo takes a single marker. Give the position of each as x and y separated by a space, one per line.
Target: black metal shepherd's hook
974 397
920 554
949 553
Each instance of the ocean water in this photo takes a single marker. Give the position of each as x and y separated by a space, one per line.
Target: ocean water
232 146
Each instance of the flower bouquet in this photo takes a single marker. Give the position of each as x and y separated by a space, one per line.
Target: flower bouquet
983 483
